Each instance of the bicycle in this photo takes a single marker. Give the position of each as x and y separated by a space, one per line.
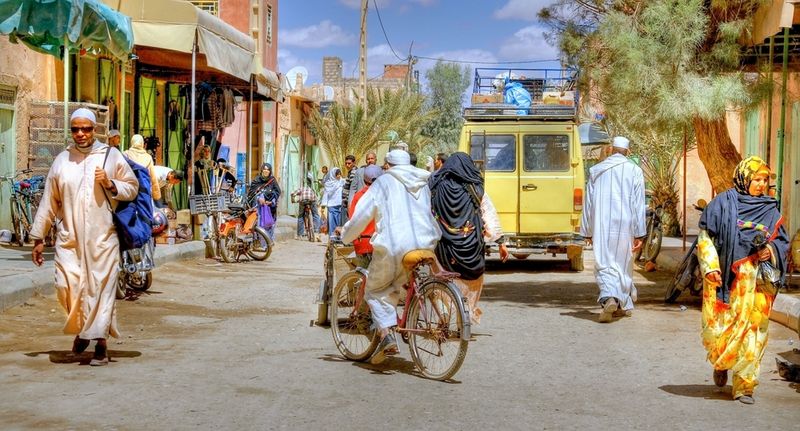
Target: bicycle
435 319
335 249
25 196
651 245
308 220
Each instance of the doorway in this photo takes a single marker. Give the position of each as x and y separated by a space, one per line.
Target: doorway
8 161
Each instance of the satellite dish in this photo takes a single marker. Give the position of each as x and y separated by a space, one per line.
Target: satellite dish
297 77
328 93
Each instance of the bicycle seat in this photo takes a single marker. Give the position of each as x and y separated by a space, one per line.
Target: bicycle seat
415 257
236 207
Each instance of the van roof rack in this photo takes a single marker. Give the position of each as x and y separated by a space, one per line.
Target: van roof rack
503 111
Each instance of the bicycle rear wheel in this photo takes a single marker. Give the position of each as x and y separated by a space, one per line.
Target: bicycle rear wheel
309 225
352 328
435 325
652 245
260 248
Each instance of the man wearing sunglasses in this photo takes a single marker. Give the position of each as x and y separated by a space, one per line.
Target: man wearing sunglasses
85 182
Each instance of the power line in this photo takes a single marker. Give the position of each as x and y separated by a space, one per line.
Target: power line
385 36
485 62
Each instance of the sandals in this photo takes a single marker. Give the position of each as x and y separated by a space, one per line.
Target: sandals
100 354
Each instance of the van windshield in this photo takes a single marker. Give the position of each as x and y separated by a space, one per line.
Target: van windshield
545 153
501 151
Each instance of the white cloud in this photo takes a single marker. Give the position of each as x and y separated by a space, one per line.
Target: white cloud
524 10
356 4
319 35
528 43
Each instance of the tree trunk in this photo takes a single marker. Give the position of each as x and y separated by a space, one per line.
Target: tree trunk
717 152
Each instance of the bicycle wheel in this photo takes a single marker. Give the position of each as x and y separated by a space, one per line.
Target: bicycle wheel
652 245
309 225
352 329
260 247
16 224
675 286
435 325
637 257
229 247
325 295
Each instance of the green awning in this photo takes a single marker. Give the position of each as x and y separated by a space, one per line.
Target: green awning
89 24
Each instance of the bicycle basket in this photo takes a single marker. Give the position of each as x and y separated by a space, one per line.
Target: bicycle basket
202 204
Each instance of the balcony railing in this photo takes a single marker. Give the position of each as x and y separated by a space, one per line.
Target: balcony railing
210 6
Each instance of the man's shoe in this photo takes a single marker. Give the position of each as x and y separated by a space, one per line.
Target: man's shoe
387 347
100 355
609 307
747 399
622 313
720 378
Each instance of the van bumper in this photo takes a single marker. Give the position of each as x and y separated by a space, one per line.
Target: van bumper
556 243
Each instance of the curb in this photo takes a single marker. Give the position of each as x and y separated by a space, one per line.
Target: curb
785 309
19 288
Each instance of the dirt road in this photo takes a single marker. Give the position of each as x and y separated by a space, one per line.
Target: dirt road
218 346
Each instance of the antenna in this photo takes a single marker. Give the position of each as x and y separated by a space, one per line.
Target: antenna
297 77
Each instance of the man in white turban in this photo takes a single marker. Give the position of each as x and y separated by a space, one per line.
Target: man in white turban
614 222
83 186
400 204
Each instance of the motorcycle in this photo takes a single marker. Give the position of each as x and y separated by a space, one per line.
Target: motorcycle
687 276
651 246
136 265
239 235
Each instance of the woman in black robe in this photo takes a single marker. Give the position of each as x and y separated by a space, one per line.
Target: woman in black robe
467 219
264 193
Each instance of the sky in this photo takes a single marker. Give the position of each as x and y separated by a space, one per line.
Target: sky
465 30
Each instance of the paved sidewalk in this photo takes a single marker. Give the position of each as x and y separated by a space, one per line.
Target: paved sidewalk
785 310
20 279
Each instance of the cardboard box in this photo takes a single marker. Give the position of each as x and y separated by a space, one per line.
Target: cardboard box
172 224
478 99
184 217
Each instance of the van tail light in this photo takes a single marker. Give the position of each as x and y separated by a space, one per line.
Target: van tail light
577 199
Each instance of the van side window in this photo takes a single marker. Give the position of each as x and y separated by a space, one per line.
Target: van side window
545 153
501 151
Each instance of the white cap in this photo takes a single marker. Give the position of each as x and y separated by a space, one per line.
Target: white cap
113 132
620 142
398 157
83 113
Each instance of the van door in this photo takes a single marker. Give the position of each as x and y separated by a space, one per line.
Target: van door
546 182
498 150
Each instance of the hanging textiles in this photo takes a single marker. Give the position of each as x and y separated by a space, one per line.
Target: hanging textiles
88 24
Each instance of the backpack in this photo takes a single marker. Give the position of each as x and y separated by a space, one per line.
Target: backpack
134 219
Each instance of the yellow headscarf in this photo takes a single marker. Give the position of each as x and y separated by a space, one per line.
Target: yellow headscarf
746 170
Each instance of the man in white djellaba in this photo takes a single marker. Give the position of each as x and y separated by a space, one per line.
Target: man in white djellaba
83 186
400 203
614 223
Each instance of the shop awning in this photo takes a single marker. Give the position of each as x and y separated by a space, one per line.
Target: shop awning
42 25
175 24
772 17
269 84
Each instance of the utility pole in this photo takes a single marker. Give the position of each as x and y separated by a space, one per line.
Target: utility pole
362 60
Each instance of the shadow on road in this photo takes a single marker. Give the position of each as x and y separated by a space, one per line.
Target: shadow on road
708 392
392 365
68 357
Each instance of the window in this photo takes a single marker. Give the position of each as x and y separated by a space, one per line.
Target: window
210 6
545 153
268 26
501 151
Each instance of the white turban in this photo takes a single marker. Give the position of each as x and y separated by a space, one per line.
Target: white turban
84 113
398 157
621 142
113 132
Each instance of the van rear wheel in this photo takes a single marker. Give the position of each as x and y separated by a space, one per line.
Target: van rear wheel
576 262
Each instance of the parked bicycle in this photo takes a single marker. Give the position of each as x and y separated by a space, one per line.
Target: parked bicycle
687 276
434 321
25 196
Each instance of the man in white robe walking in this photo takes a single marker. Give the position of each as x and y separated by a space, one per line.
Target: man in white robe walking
614 222
400 203
87 248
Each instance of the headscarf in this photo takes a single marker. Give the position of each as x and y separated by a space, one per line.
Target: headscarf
330 180
137 153
371 172
734 218
746 170
456 194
